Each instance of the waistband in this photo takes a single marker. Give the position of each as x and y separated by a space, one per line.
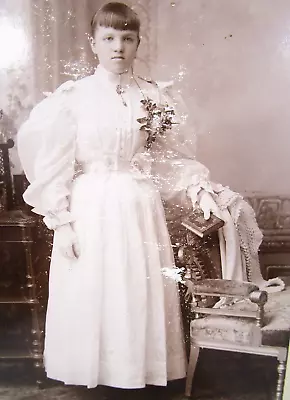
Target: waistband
108 165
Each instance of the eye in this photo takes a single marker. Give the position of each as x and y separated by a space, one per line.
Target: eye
108 38
129 39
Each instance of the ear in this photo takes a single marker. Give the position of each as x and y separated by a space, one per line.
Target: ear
93 44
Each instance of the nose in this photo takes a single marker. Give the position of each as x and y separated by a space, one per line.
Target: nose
118 45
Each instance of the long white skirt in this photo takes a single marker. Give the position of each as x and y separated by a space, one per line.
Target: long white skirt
113 318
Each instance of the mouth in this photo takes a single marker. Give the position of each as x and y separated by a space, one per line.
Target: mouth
118 58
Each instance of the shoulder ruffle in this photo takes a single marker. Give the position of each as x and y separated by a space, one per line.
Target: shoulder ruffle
148 80
165 85
65 87
45 119
53 104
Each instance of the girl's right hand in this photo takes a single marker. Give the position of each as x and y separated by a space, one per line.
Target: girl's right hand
67 242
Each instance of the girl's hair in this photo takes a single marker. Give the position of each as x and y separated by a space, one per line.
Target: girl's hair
116 15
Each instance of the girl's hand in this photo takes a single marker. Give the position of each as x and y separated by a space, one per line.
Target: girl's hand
208 205
67 242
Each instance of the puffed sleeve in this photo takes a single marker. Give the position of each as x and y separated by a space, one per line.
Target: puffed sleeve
173 153
46 147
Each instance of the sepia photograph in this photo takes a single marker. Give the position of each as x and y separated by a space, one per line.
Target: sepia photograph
144 199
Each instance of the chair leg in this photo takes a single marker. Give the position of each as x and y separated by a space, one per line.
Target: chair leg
280 383
193 357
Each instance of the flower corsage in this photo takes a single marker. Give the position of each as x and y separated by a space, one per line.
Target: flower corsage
158 120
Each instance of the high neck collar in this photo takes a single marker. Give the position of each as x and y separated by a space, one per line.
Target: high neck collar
115 79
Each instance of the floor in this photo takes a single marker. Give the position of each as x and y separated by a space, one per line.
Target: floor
219 376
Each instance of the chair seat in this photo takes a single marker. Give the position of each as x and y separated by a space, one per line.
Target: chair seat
221 328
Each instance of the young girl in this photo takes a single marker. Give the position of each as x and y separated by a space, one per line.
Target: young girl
113 318
99 153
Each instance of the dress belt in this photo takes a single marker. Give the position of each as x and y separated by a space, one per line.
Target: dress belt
109 165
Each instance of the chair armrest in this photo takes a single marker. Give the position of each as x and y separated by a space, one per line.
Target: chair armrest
221 288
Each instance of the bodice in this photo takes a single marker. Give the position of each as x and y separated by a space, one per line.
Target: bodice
107 130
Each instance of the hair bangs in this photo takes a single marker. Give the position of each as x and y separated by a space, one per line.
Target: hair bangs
118 16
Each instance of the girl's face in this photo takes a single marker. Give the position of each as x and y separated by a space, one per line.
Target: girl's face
115 49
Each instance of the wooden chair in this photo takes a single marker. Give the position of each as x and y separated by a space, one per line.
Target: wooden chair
19 287
255 324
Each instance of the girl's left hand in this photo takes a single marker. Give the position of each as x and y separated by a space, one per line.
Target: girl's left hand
208 205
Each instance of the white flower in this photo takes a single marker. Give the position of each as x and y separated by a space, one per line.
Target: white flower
173 273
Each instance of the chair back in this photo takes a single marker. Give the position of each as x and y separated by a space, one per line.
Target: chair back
6 182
